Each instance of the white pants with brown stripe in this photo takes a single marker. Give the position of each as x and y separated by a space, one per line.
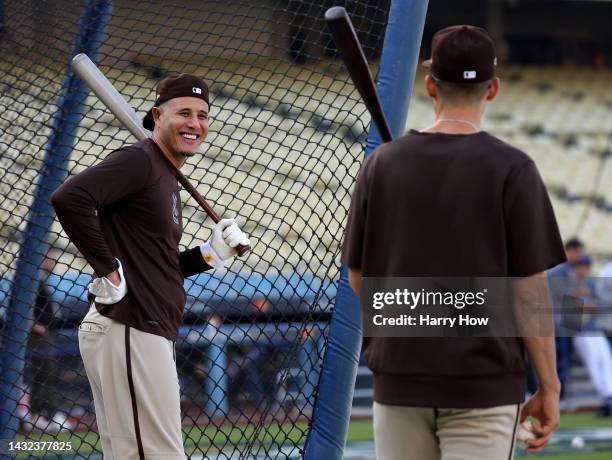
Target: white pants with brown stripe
422 433
135 388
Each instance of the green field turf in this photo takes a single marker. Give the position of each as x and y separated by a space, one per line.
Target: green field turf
585 419
576 456
213 439
209 439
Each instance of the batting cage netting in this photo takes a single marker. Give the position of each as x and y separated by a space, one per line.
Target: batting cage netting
286 140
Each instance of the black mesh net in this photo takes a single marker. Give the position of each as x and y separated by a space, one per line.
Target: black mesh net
286 138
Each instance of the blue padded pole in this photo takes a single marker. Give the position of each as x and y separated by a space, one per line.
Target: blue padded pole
35 241
331 417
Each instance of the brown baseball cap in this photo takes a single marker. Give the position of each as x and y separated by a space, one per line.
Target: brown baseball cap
183 85
462 54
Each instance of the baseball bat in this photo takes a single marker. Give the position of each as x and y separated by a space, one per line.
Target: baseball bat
112 99
351 52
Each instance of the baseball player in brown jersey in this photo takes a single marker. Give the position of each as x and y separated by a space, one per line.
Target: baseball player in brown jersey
124 215
454 201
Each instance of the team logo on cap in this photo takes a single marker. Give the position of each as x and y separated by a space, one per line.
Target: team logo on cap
197 90
469 74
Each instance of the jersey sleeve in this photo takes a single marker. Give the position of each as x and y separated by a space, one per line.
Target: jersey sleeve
79 199
192 262
533 240
352 248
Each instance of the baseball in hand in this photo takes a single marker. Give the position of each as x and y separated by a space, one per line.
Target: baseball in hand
525 432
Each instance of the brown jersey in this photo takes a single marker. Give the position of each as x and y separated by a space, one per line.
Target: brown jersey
449 205
128 207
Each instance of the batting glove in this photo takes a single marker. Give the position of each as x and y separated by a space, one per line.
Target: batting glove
226 237
106 292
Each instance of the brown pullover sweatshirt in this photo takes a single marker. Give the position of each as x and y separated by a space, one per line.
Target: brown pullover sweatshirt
128 207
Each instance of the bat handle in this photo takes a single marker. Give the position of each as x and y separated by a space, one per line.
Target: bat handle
242 249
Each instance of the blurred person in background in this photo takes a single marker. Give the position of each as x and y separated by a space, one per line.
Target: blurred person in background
558 278
42 375
253 369
191 360
603 287
590 343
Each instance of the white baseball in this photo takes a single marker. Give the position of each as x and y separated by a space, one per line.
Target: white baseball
577 442
525 432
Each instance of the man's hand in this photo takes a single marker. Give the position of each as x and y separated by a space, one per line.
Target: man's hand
225 238
110 288
114 278
544 408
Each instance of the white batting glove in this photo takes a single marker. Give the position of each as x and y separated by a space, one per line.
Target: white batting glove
225 238
106 292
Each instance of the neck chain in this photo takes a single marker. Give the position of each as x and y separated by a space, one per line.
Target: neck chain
458 120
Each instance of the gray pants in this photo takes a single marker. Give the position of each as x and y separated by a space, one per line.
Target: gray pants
407 433
135 388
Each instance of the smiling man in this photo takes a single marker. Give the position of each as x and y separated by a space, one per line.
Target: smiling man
124 215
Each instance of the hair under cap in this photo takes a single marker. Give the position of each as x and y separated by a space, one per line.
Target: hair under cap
462 54
183 85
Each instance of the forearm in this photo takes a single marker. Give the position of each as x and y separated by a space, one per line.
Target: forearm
534 315
542 355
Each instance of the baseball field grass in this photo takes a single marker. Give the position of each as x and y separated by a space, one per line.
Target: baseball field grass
212 439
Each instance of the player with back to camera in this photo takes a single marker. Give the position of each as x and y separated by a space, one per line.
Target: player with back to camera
124 215
454 201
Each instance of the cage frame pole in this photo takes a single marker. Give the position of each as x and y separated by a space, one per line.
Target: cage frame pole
35 239
331 416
